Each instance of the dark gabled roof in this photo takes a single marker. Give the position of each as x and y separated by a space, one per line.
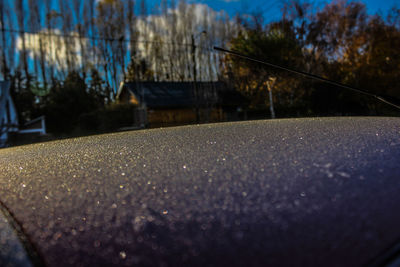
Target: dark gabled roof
174 94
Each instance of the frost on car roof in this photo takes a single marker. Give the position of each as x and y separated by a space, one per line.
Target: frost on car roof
313 192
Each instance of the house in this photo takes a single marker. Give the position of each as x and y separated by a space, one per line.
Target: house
9 125
8 114
177 103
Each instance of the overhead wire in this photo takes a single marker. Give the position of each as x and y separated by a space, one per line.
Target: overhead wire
383 98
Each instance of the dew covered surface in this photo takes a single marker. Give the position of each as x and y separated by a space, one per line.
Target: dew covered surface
303 192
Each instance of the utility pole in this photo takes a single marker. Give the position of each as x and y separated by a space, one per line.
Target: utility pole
270 85
196 93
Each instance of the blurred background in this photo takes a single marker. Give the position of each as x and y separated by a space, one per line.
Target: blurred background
73 68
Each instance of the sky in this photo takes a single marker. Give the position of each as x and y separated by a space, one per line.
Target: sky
271 9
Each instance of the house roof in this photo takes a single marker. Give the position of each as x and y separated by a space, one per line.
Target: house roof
177 94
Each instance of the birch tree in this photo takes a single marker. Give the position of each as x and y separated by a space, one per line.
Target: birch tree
4 66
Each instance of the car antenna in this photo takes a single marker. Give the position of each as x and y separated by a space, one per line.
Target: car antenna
386 99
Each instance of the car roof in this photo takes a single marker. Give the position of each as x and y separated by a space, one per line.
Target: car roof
312 192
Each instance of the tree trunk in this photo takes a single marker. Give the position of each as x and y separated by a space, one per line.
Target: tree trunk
4 67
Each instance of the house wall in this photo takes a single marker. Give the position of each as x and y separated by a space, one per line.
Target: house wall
174 117
169 117
212 115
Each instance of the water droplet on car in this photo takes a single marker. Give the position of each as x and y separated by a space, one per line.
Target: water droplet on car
343 174
122 255
328 165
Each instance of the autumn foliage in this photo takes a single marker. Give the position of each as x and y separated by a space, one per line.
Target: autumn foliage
341 42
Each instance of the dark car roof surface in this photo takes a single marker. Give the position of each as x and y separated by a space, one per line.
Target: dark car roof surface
298 192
